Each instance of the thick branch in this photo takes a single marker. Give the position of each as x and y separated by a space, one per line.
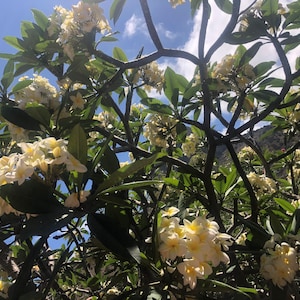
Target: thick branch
151 28
228 29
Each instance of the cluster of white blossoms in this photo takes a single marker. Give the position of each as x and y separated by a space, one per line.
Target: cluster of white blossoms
294 116
193 247
37 156
262 184
160 130
151 76
190 145
73 24
227 73
247 154
39 91
279 263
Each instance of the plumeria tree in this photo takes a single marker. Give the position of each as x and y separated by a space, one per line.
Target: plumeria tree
201 210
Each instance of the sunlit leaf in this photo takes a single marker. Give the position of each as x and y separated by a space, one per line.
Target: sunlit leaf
41 19
119 54
116 10
132 185
127 170
77 144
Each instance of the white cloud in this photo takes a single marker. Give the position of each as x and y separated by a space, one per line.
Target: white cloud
134 25
165 32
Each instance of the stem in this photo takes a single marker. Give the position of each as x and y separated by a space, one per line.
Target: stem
151 28
253 199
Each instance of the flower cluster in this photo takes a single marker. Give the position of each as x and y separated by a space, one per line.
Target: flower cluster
151 76
194 247
39 91
294 116
232 77
279 263
190 145
40 155
262 184
160 130
74 24
246 154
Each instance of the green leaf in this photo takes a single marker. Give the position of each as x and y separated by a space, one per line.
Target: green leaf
250 53
285 205
266 96
8 74
116 10
174 83
126 171
157 106
77 144
263 67
132 185
13 41
269 7
114 237
119 54
21 85
227 286
275 223
40 19
39 112
19 118
295 222
30 197
224 5
195 5
109 160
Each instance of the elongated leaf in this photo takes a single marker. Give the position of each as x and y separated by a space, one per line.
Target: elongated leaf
8 74
116 9
40 113
19 118
224 5
287 206
113 237
21 85
227 286
13 41
269 7
119 54
195 5
276 224
174 83
250 53
128 170
296 222
131 185
77 144
40 19
263 67
30 197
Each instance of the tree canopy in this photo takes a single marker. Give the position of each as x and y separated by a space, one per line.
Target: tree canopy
122 179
